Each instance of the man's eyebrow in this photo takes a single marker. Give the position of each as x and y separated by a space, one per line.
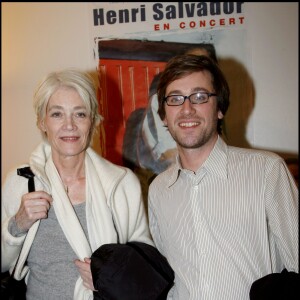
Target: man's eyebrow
194 90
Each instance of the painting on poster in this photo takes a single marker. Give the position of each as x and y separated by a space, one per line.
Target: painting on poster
132 42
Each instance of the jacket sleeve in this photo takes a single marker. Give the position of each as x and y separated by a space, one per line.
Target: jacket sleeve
12 190
129 211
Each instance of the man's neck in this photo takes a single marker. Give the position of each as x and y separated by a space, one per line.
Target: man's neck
193 158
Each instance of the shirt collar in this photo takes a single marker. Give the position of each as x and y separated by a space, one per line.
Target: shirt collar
216 163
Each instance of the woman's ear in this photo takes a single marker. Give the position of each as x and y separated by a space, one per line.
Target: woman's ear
42 125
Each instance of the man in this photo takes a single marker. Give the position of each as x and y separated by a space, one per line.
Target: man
148 147
161 147
222 216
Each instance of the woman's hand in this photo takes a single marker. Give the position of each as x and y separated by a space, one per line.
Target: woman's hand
84 269
34 206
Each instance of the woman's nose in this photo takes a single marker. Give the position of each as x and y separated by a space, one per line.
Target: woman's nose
69 123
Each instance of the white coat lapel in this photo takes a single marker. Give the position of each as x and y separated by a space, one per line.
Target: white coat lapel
65 214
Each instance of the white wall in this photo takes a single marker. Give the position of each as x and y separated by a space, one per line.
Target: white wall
274 43
36 38
41 37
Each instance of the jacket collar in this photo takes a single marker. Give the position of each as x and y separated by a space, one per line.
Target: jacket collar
108 172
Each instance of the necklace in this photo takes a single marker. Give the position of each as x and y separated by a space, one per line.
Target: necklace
67 189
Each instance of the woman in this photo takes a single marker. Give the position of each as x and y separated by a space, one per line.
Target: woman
81 200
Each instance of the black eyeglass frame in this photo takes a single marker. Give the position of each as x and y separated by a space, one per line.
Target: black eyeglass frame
188 97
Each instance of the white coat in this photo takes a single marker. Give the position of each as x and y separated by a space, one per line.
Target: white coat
115 193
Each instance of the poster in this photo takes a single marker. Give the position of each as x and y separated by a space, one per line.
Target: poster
132 42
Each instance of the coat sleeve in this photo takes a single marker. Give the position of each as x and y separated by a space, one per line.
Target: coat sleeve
129 211
12 190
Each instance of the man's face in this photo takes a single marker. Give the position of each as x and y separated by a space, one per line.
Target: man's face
192 125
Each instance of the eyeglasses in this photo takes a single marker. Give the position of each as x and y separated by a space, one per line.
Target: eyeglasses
196 98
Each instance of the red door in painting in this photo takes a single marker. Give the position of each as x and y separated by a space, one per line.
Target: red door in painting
126 69
124 87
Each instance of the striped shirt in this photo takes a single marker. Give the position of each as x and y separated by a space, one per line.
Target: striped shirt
232 222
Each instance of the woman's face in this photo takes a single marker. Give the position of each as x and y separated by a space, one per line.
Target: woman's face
67 123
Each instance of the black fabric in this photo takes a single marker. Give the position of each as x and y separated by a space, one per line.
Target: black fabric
132 271
276 286
27 173
12 289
